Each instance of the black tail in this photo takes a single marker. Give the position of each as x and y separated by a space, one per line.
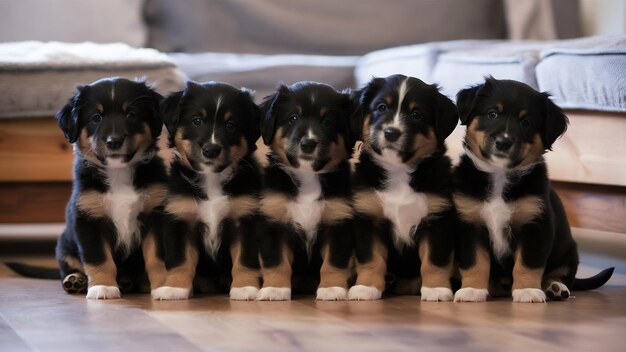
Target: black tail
593 282
36 272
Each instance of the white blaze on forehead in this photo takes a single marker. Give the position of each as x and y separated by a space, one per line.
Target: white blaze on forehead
218 102
112 91
401 94
312 98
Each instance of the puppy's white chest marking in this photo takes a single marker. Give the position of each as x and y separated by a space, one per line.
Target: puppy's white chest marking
213 211
306 210
123 204
404 207
496 214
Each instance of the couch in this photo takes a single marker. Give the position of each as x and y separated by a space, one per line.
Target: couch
260 43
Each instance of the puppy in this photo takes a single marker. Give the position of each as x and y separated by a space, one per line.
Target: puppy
213 189
404 219
119 182
515 233
306 200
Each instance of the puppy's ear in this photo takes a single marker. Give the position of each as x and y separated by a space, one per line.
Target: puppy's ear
466 101
170 112
350 105
555 122
156 123
447 117
362 99
67 117
368 93
253 128
268 113
357 117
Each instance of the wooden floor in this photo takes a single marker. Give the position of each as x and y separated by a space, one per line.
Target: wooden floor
37 315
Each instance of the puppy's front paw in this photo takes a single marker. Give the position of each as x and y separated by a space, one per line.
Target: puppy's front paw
364 293
274 294
470 294
103 292
557 291
166 293
246 293
334 293
436 294
529 295
75 283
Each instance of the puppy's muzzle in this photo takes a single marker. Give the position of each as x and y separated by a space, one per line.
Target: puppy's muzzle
211 151
308 145
114 142
392 134
503 143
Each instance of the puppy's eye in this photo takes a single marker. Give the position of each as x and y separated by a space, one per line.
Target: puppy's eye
327 121
524 123
382 107
230 126
196 121
416 115
130 115
492 114
96 118
293 118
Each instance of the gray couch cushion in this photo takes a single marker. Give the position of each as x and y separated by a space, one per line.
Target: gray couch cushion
456 70
329 27
413 60
587 73
36 78
73 21
262 73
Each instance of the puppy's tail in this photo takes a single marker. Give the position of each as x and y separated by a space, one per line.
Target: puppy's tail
35 272
593 282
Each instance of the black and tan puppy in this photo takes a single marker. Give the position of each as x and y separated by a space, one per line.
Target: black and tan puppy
213 189
119 180
307 231
515 233
404 220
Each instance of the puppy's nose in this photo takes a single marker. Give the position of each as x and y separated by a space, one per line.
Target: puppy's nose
392 134
307 145
503 143
114 142
211 151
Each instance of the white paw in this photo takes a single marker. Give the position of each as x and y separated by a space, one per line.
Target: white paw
557 291
274 294
103 292
436 294
364 293
334 293
470 294
529 295
246 293
170 293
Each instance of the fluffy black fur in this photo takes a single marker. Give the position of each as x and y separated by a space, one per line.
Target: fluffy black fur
307 126
120 122
510 126
214 128
394 112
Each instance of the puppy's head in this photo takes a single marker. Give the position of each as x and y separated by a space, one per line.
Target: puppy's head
113 121
307 126
509 124
404 119
212 125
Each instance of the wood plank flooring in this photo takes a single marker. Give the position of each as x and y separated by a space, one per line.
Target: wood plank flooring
36 315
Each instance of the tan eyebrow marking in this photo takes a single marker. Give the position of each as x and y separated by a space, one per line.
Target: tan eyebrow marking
523 113
100 108
500 107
